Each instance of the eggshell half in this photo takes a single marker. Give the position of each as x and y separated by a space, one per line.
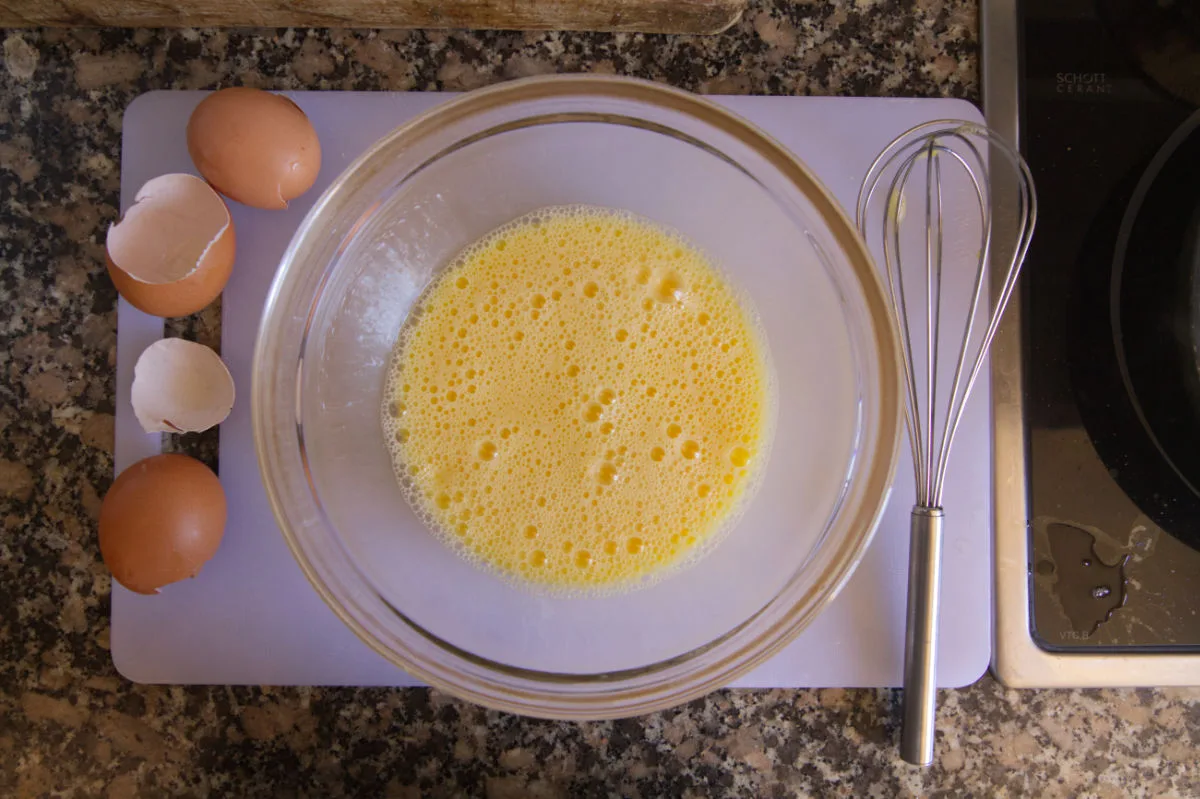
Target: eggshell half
161 521
173 251
180 386
253 146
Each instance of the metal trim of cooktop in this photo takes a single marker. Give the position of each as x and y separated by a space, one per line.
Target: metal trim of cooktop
1017 660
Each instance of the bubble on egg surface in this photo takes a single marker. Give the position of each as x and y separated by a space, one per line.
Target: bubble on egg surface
605 423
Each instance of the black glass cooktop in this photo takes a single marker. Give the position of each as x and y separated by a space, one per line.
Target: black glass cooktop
1111 129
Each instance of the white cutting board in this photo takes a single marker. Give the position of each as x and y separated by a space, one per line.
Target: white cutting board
250 617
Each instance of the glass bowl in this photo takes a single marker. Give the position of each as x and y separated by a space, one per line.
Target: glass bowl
398 215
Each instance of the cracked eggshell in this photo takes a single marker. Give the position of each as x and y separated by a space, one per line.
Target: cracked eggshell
253 146
161 521
180 386
172 252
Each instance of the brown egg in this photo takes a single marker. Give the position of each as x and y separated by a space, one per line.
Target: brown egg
253 146
172 252
161 521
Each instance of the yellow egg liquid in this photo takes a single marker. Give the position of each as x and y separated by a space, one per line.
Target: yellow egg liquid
580 401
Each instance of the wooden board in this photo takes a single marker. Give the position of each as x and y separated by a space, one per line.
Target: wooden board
646 16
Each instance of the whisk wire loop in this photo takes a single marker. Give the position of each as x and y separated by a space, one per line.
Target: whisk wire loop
931 434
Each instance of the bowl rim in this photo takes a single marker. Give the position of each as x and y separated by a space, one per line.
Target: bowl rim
875 478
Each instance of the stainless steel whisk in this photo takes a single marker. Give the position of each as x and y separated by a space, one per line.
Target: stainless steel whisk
1001 182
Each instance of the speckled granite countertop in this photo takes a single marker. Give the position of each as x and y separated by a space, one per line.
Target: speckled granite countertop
71 726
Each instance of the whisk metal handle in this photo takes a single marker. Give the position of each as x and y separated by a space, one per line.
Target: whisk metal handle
920 644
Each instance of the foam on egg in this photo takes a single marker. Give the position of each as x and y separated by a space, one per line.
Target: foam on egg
580 401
